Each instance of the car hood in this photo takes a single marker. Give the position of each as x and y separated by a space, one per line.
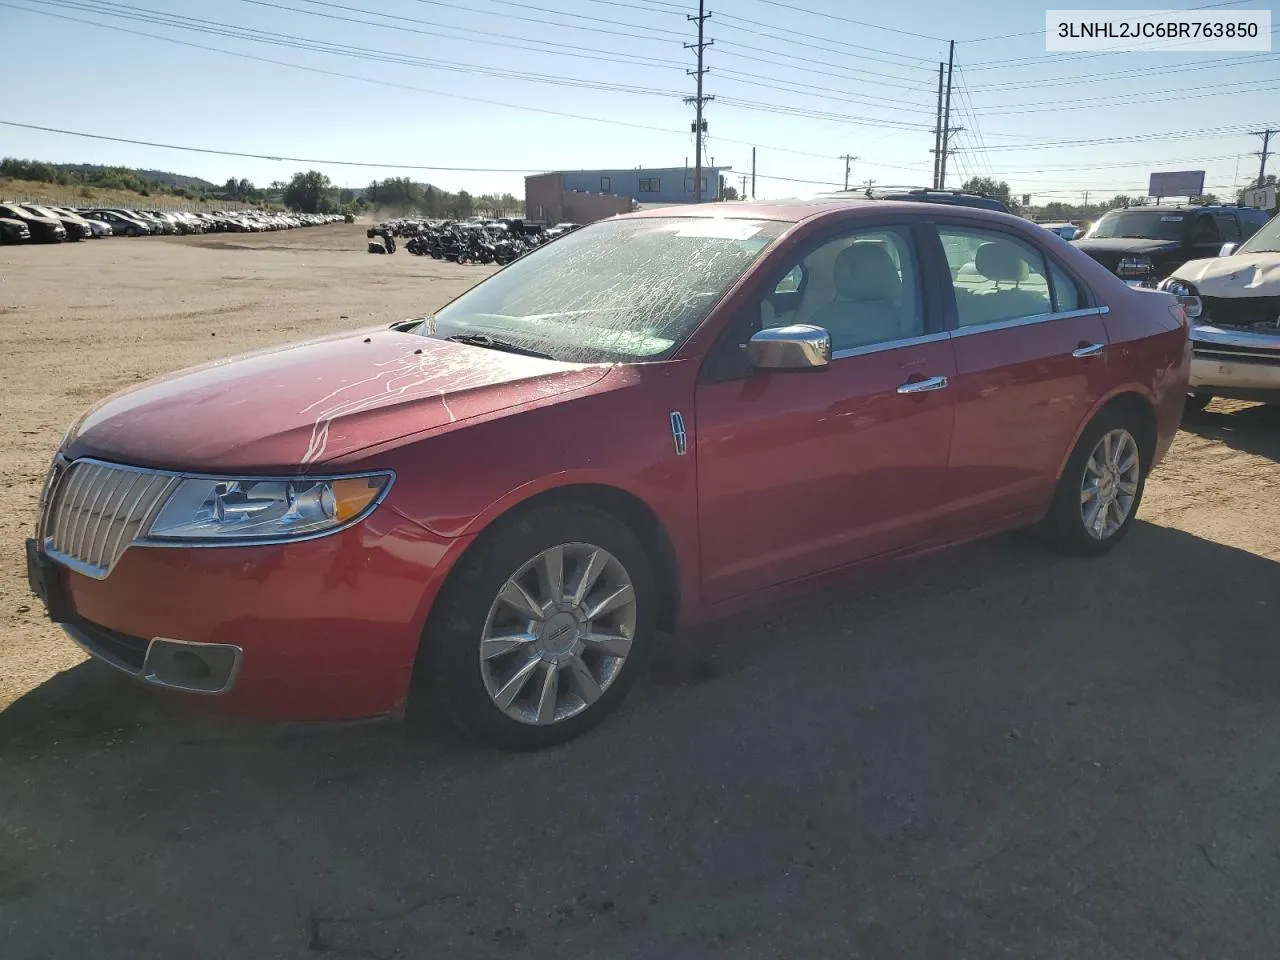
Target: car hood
1240 275
301 405
1126 245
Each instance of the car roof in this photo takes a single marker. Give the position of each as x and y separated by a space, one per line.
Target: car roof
797 210
1186 208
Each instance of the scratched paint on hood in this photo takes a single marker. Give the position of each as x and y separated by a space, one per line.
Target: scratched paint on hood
283 409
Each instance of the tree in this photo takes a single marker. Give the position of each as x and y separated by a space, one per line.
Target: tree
989 187
730 193
306 192
1120 201
1204 200
461 206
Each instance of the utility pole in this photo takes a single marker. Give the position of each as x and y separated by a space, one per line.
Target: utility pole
753 173
946 120
1266 136
1086 198
698 100
869 185
937 134
848 159
743 195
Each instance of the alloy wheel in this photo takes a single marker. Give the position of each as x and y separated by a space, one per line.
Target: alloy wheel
1110 484
558 633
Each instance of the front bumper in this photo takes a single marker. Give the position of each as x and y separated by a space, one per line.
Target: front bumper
1235 364
319 630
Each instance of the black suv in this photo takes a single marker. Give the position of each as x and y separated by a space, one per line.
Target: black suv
1143 245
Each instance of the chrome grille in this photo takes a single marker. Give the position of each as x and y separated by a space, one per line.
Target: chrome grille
96 510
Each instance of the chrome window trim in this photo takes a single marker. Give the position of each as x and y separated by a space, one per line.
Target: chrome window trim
1030 321
890 345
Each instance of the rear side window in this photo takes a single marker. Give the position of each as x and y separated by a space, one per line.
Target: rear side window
1066 295
996 277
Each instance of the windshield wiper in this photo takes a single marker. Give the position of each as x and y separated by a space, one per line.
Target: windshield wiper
491 343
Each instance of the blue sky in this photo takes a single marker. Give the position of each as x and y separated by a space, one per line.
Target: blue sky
526 84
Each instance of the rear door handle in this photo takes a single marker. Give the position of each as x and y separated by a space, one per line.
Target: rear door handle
923 386
1089 350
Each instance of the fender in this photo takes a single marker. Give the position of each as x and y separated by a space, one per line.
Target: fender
1140 389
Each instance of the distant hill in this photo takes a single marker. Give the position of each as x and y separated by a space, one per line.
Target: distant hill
163 177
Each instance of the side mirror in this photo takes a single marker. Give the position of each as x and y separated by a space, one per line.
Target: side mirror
796 347
1227 249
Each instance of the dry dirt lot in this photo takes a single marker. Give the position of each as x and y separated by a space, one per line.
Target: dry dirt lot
995 752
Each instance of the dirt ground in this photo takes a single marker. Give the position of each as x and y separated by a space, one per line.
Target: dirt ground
993 752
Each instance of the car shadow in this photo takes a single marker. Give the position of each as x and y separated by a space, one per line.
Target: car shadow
1252 428
996 746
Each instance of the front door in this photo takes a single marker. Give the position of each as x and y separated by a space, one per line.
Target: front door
803 472
1030 364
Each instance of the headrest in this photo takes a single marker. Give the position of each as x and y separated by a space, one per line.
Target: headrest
865 271
1001 261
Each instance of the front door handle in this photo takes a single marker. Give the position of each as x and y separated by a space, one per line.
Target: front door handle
1088 350
923 386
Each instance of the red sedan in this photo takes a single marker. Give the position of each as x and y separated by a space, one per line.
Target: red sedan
648 422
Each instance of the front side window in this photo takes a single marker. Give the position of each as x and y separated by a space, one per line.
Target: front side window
861 287
1228 227
995 276
619 290
1206 230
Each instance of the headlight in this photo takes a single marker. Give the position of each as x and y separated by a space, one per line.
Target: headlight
1139 266
1187 295
249 511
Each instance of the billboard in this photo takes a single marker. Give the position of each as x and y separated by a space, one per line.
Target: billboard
1184 183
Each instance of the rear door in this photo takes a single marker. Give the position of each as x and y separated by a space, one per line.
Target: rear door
800 472
1030 356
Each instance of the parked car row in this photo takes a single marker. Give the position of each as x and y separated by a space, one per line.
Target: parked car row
46 223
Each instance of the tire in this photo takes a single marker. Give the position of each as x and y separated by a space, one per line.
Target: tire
132 231
466 690
1065 526
1196 402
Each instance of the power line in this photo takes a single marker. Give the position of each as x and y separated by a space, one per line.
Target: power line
1202 133
574 50
857 23
215 28
266 156
1178 94
405 86
1137 72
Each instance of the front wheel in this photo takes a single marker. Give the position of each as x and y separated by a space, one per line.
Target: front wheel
1101 488
542 628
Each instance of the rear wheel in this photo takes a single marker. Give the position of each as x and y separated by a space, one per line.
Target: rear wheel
542 629
1101 488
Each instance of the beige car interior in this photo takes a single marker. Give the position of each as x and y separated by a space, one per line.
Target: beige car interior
861 289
